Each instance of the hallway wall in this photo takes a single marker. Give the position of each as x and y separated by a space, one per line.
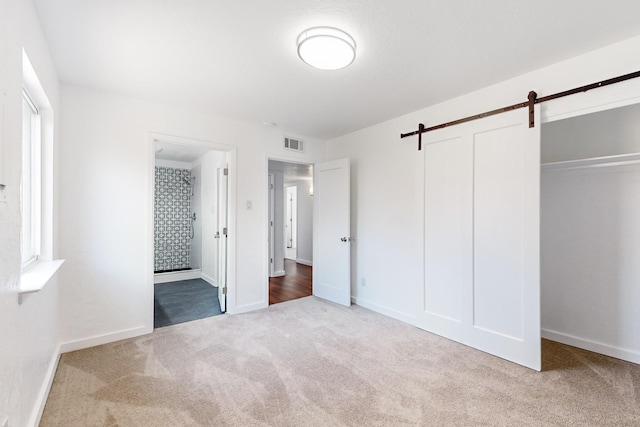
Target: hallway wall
304 251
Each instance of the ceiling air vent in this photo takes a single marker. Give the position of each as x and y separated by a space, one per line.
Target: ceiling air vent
293 144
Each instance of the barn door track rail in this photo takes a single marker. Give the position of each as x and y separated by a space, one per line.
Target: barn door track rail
532 99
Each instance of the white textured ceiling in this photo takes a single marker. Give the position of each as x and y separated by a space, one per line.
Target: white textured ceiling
237 59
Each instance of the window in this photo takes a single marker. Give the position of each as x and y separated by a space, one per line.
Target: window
30 184
36 186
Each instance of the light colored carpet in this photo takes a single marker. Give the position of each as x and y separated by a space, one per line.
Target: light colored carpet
312 363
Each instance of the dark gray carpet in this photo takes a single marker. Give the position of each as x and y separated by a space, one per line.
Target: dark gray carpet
184 301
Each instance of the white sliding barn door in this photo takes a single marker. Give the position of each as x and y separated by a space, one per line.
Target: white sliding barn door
482 234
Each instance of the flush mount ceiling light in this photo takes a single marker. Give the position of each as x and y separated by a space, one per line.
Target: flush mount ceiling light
326 48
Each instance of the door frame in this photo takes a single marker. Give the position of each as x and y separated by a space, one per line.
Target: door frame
223 238
603 99
231 210
266 265
271 221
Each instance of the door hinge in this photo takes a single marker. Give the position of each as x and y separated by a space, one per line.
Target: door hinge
224 290
272 186
271 260
226 171
224 231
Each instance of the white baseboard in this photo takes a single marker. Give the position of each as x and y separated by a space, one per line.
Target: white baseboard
210 280
305 262
249 307
105 339
174 276
278 273
597 347
390 312
43 395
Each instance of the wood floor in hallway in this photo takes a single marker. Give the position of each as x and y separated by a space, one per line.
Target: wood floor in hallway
296 283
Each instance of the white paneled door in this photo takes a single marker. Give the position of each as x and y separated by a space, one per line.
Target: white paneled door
331 231
482 236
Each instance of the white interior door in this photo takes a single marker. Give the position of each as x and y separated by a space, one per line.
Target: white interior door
291 225
272 218
289 219
331 231
222 235
482 236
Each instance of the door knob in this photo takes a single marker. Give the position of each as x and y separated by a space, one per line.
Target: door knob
343 239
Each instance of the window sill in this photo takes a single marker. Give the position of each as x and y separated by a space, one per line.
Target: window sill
36 276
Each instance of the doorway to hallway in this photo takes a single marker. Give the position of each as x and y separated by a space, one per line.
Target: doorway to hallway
290 230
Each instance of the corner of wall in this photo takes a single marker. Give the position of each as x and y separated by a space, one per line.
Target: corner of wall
43 395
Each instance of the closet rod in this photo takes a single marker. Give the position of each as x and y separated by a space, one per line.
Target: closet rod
422 129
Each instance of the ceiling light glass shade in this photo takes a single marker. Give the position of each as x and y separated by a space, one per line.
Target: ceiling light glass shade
326 48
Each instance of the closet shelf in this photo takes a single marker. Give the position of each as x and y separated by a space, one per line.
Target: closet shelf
595 162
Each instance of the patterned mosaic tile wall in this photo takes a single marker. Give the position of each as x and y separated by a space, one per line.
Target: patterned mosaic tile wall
172 222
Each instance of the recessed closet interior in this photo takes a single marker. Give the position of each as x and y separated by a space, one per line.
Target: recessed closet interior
590 232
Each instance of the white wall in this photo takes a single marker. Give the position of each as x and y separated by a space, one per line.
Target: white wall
387 173
605 133
28 331
105 161
196 206
304 251
386 253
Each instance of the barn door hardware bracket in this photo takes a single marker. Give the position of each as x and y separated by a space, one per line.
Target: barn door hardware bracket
531 104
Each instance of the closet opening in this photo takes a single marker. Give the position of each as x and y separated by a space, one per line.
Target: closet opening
590 232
